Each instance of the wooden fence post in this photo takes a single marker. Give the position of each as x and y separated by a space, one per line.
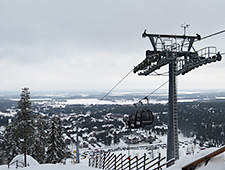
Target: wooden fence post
144 161
96 161
159 159
121 162
136 163
115 161
129 163
100 161
103 166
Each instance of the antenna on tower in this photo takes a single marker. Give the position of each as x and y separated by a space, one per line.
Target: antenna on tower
185 26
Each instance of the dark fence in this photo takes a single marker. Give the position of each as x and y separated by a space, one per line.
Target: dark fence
111 161
17 164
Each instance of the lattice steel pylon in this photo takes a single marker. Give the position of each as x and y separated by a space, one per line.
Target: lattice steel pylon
178 52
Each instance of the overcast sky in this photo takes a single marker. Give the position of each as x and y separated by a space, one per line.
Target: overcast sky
79 45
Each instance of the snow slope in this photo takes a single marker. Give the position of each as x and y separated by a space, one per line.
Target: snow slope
216 163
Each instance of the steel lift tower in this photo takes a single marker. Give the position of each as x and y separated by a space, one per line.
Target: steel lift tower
178 52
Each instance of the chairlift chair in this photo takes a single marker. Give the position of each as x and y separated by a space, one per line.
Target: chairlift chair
141 118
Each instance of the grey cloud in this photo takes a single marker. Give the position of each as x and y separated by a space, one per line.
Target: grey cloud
96 42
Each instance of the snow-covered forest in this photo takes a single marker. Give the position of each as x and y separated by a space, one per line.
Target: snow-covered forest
46 128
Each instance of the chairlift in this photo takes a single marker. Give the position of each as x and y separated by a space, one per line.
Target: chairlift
141 118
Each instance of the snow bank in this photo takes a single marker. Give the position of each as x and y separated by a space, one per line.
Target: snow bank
217 162
81 166
19 161
60 167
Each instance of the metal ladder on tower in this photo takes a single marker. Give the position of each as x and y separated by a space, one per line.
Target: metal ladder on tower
175 114
172 137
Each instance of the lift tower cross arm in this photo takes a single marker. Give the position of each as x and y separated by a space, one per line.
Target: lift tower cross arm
151 37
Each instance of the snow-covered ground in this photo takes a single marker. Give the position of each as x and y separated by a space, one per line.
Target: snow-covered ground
33 165
216 163
186 145
80 166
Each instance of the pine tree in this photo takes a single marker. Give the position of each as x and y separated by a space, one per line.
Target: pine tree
40 137
25 121
56 150
19 134
11 142
3 158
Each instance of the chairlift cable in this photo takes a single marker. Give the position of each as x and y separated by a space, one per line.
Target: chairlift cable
154 90
211 35
115 86
208 36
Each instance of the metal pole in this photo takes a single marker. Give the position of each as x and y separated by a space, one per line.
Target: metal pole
172 136
77 149
128 149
